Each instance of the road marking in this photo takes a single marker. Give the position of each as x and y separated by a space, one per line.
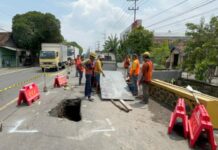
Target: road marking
13 71
18 123
104 130
8 104
15 85
31 79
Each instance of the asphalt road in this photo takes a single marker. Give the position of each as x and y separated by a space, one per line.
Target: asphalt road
12 81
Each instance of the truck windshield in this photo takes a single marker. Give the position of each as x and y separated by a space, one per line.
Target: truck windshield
47 54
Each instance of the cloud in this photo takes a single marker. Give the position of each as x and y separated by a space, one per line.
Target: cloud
89 19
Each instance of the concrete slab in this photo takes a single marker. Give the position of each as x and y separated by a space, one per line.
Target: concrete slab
113 86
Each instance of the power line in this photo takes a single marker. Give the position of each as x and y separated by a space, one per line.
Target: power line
122 13
215 9
135 8
181 14
172 7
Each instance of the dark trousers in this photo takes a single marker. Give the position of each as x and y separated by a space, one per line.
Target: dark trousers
145 90
80 77
88 86
77 72
134 80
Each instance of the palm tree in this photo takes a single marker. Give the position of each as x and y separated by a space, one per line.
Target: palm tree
111 44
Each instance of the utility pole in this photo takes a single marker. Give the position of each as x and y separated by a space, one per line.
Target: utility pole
98 45
135 8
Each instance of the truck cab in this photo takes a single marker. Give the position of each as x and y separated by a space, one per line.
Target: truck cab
53 56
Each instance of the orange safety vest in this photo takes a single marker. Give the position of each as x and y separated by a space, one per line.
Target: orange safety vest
89 67
148 73
137 68
79 65
126 63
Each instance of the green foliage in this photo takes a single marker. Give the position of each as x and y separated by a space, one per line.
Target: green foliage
202 48
111 44
74 44
160 52
33 28
139 40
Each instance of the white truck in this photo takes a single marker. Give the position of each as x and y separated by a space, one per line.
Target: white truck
53 55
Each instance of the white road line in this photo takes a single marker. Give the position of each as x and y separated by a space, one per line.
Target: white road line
108 121
104 130
14 71
18 123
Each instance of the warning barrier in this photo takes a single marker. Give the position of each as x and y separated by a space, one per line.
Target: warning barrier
29 93
198 123
179 112
60 80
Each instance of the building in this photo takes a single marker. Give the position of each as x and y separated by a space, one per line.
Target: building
177 45
134 25
10 55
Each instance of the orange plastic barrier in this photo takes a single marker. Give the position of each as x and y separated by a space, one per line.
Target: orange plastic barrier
198 123
29 93
60 80
179 112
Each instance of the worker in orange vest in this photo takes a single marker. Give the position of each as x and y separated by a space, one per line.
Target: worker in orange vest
80 68
134 73
77 59
126 64
146 77
89 67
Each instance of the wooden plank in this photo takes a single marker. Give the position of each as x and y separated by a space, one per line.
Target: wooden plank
121 108
127 106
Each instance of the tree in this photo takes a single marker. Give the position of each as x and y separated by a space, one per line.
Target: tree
139 40
160 52
33 28
202 50
74 44
111 44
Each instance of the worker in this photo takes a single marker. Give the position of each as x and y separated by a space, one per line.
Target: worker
134 72
77 59
146 77
98 71
89 66
126 64
80 69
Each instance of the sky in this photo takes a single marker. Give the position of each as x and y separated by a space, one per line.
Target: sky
89 22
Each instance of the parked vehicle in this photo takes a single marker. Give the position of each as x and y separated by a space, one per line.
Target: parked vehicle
53 55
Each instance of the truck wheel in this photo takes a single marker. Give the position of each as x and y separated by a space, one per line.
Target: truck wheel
57 68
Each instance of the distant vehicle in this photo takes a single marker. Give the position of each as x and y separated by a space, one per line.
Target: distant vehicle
71 52
53 55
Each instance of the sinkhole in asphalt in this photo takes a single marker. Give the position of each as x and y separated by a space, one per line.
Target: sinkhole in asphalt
68 108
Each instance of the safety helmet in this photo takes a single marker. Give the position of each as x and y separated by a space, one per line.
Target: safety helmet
93 54
146 54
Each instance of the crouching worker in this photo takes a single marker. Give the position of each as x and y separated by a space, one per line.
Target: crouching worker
89 66
145 80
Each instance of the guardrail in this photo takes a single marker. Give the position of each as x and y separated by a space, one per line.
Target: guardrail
210 102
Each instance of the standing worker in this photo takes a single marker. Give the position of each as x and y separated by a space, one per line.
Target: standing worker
134 72
89 66
126 64
145 80
80 69
77 59
98 70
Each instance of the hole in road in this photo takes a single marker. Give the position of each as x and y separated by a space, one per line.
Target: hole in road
68 108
